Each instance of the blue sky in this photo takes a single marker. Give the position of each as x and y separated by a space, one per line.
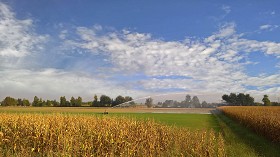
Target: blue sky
52 48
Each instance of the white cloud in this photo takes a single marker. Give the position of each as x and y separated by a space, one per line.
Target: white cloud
271 80
53 83
213 64
269 27
16 36
226 8
265 26
63 34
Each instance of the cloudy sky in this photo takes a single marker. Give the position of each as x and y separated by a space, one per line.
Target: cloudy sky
51 48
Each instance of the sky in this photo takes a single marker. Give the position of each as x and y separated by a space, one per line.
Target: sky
51 48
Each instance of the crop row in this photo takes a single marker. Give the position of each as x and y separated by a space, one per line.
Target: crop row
262 119
81 135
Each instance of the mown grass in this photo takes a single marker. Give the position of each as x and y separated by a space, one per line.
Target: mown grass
190 121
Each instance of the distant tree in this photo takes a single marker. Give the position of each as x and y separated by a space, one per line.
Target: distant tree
105 101
35 101
75 102
225 97
164 104
149 102
128 98
95 102
49 103
275 103
9 101
233 99
168 103
241 99
176 104
72 101
119 100
20 102
79 101
42 103
63 101
67 103
258 104
55 103
204 104
249 100
188 101
195 102
38 102
25 102
266 100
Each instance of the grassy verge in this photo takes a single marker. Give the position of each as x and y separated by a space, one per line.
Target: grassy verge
241 141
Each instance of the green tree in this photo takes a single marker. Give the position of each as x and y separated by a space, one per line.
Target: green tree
128 98
149 102
105 101
72 101
55 103
249 100
225 97
20 102
63 101
195 102
233 99
204 104
35 101
9 101
188 101
95 102
119 100
241 99
230 99
266 100
67 103
43 103
79 101
49 103
25 102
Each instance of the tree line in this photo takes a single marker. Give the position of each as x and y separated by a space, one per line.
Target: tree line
189 102
242 99
106 101
103 101
232 99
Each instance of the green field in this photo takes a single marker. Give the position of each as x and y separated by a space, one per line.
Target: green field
239 141
191 121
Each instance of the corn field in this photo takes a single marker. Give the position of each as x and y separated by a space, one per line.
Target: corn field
81 135
262 119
